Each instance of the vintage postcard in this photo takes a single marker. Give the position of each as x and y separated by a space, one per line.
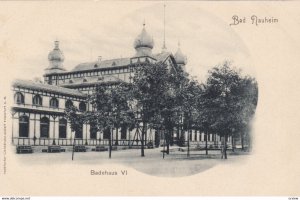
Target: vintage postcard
150 98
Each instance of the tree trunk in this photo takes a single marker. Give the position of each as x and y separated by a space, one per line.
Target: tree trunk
109 143
232 143
168 142
188 151
157 138
143 140
177 136
242 140
224 151
117 136
206 149
164 144
249 143
73 148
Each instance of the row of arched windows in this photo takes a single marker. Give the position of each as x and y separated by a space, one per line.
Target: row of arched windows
54 103
44 129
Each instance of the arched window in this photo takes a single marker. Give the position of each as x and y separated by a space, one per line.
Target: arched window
79 133
37 100
93 131
62 128
19 98
82 106
54 102
68 104
44 127
23 126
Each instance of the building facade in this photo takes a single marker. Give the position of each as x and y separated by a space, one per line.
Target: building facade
38 111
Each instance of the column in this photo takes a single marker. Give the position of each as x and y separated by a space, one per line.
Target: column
37 127
186 135
52 133
56 129
148 134
88 133
29 141
69 135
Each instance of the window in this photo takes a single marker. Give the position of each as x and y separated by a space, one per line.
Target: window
68 104
93 131
23 126
37 100
106 134
19 98
82 106
79 133
62 128
54 102
50 80
123 132
44 127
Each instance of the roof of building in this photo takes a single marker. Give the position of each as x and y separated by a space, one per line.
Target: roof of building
102 64
119 62
161 57
45 87
82 81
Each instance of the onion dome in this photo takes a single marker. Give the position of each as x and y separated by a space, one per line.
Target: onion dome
56 57
144 43
180 58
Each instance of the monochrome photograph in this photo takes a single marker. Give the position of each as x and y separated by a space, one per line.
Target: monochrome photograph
115 92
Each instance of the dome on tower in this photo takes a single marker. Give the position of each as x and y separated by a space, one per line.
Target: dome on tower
56 54
143 43
180 58
144 40
56 58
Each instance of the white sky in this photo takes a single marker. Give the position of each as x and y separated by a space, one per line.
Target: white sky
89 30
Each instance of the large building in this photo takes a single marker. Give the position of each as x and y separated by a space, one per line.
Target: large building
38 110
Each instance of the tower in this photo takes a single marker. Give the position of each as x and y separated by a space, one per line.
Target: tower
143 44
56 59
180 58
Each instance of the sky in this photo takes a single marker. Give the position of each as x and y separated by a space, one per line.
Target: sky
108 29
